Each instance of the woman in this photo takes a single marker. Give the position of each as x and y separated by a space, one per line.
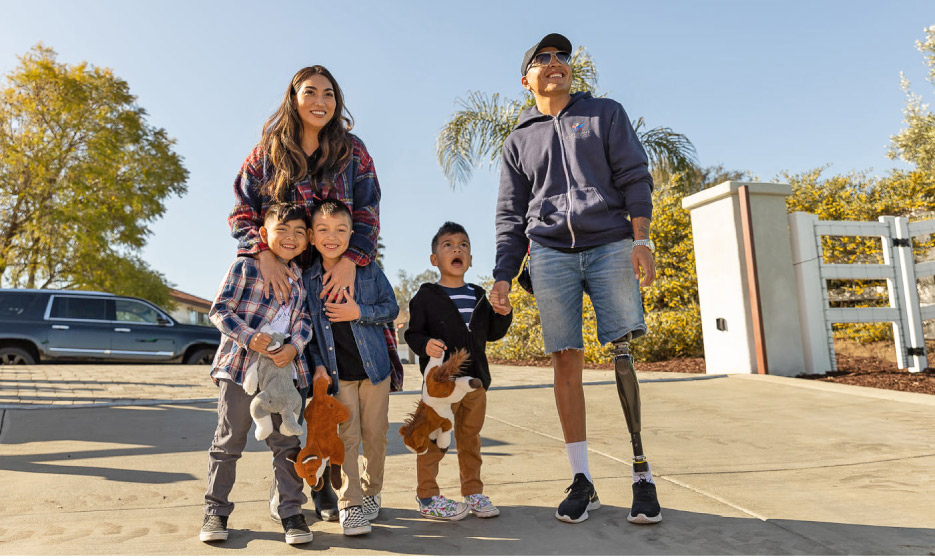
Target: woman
307 154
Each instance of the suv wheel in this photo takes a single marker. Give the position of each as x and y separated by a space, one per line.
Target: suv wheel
15 356
201 357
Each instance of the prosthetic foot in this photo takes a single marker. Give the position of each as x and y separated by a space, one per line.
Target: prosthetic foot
645 508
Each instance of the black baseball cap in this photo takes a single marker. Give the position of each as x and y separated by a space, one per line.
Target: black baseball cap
556 40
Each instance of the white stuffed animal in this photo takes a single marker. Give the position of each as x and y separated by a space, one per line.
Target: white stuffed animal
277 392
439 391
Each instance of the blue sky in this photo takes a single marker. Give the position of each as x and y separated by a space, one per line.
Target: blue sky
757 86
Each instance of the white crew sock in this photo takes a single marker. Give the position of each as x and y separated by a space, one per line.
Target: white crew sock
578 457
645 476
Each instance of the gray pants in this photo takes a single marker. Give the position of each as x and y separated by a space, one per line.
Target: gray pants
230 438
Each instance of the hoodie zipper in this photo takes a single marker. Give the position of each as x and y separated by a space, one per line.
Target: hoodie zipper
561 143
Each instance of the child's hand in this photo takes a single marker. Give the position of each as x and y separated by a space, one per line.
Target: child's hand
342 312
259 342
321 372
435 348
284 355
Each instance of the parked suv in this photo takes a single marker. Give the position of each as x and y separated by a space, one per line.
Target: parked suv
56 324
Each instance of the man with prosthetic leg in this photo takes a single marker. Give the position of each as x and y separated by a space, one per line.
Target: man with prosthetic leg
576 192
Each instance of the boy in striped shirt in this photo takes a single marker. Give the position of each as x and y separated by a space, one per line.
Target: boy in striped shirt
445 317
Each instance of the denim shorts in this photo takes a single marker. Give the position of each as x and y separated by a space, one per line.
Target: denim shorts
605 273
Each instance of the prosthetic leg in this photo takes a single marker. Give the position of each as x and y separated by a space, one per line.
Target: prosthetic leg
645 509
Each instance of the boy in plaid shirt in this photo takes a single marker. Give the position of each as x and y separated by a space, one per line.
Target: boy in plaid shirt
242 313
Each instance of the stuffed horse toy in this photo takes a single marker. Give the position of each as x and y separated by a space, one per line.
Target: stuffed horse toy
323 446
433 419
277 393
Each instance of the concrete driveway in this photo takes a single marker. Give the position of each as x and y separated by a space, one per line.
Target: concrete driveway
112 459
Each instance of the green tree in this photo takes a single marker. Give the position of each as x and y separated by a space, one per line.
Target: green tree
916 143
475 134
82 175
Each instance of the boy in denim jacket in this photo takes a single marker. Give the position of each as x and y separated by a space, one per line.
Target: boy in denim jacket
239 311
351 352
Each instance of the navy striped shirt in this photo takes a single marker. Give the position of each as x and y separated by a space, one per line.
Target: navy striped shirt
464 298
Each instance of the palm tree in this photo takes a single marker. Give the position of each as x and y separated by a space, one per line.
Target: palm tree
476 132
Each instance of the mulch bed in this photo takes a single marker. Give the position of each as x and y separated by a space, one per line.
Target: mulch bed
878 373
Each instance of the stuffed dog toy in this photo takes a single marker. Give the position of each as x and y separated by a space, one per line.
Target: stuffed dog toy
277 393
433 419
323 446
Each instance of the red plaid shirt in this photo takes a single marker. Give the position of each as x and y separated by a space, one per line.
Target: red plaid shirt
356 185
240 310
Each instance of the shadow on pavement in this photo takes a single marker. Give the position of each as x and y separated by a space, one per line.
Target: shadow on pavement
534 530
140 430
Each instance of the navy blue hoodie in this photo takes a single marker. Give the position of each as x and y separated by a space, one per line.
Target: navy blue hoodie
570 181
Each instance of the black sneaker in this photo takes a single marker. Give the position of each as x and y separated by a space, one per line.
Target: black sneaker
214 528
645 509
581 498
326 502
296 529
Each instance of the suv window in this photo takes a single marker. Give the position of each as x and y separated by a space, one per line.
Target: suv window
13 304
84 308
135 311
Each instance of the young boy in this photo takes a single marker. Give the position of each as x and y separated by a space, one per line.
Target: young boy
445 317
351 352
240 310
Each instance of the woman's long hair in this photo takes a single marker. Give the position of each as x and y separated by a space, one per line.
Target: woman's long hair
282 139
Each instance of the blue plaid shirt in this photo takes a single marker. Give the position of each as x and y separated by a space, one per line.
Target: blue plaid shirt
240 310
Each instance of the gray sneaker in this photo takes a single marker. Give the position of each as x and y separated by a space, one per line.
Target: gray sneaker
214 528
296 529
371 508
353 522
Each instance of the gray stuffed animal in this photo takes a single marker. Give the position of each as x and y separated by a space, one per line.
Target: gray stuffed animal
277 393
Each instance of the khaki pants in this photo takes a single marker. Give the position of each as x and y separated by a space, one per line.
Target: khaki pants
230 438
469 419
369 422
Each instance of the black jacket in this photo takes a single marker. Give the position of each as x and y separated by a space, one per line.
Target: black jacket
432 314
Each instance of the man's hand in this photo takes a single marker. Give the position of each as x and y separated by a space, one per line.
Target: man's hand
500 297
275 276
342 312
339 281
642 259
284 355
435 348
321 372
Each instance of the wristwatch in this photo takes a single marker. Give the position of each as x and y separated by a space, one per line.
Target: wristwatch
648 243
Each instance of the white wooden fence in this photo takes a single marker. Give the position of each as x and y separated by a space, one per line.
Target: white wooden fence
898 269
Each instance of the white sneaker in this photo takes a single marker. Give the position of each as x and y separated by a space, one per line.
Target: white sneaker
443 508
353 522
371 508
481 507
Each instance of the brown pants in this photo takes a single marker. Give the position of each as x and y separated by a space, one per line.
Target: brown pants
469 419
369 407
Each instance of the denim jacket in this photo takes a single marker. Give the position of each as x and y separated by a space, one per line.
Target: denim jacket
377 301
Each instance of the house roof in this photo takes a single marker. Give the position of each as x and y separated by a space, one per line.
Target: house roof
189 299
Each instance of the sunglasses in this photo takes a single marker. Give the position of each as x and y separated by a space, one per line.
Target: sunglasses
545 58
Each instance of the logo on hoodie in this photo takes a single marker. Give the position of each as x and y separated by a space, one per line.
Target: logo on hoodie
579 130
